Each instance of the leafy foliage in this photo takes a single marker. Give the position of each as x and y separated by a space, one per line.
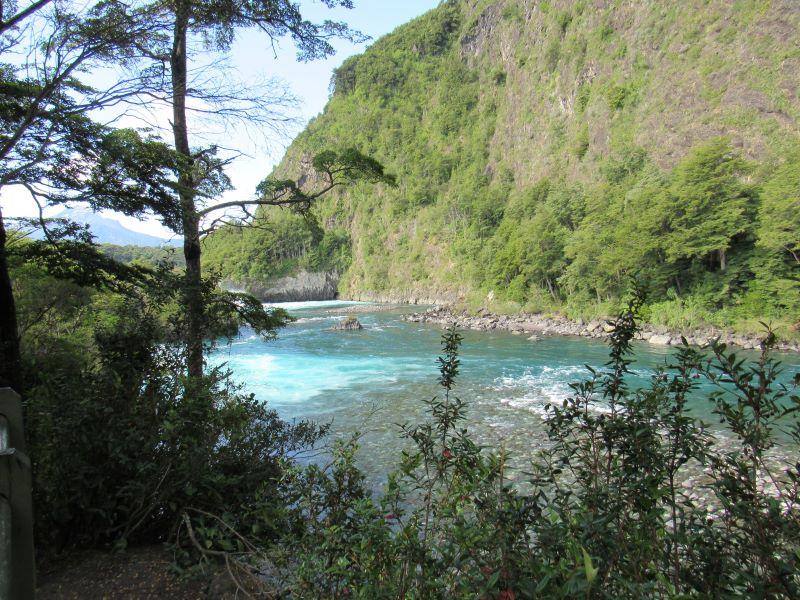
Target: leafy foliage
283 242
584 167
122 443
145 255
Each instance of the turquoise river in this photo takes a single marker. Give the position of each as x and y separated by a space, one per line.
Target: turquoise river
371 380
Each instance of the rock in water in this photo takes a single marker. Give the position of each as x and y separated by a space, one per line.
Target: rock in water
348 324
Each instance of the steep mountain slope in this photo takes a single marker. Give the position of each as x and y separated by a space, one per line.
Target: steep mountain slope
547 150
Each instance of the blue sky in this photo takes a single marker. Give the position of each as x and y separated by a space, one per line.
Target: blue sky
310 80
253 59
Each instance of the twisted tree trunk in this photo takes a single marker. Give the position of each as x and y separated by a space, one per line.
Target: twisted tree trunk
192 290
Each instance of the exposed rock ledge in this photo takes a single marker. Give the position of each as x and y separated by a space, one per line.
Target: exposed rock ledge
302 287
537 324
406 296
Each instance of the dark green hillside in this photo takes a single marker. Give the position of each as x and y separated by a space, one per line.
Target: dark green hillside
545 151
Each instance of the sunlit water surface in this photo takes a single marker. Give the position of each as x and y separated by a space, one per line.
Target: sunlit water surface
372 380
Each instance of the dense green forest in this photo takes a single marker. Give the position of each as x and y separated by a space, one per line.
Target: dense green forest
546 151
290 242
615 163
146 255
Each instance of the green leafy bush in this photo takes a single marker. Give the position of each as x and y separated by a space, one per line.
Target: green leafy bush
605 512
122 443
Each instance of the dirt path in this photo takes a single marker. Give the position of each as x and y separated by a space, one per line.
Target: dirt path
139 573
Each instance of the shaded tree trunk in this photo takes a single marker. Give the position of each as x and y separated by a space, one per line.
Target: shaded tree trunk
723 260
10 361
551 288
192 291
794 254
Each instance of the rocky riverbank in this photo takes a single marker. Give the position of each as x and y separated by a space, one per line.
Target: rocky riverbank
423 296
301 287
536 325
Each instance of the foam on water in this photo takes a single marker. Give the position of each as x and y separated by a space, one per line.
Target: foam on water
244 340
325 318
539 386
290 380
372 379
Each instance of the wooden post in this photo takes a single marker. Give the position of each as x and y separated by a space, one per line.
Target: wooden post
17 567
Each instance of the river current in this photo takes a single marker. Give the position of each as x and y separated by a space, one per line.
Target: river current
370 381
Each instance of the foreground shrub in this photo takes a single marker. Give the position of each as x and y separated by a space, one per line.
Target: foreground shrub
633 497
123 444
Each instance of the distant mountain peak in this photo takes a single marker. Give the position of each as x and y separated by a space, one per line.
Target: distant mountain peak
110 231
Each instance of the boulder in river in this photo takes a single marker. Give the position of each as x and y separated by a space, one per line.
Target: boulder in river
660 340
348 324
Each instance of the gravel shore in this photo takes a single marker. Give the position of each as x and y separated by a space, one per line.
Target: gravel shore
538 325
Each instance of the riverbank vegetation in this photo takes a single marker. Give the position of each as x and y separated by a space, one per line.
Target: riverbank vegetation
128 428
545 153
121 440
144 255
602 512
288 243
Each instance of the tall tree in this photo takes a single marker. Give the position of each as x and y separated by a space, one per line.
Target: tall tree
779 214
48 144
711 205
196 27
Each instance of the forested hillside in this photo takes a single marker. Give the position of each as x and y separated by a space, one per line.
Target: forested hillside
545 151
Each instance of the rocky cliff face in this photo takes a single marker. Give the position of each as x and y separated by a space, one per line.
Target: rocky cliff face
302 287
417 295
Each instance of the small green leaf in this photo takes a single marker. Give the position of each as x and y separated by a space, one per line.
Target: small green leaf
588 567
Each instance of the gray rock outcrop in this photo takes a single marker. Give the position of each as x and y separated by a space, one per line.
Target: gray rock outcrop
304 286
